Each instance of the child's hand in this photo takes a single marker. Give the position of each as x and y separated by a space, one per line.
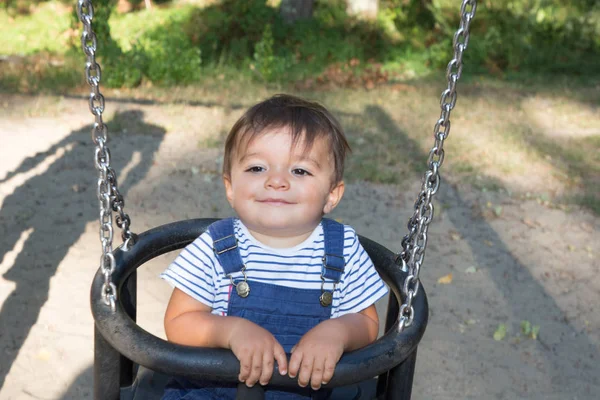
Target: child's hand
256 348
315 356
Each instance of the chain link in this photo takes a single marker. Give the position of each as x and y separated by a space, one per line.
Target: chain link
109 197
415 242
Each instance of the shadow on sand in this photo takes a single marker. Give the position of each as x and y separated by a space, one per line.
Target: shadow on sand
51 235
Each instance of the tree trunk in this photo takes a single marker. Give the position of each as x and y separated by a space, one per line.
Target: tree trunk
293 10
363 8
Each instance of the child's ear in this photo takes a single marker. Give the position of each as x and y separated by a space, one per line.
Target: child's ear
228 189
335 195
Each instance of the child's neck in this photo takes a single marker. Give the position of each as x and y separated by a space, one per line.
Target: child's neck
280 242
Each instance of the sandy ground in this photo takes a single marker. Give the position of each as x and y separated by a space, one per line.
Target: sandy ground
531 262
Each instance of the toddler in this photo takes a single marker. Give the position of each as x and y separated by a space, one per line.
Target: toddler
279 278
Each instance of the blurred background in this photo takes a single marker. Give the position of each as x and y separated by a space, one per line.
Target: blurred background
512 265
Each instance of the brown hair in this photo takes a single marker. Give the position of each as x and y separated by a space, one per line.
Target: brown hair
306 120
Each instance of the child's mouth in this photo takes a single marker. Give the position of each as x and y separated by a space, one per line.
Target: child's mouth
275 202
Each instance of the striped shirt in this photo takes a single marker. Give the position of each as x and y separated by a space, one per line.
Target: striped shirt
198 273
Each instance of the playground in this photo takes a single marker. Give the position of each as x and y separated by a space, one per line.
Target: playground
511 271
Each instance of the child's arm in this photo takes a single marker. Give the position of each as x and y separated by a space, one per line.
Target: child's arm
189 322
315 356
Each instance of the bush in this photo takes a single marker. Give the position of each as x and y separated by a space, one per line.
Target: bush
538 36
231 29
168 45
163 55
269 66
169 57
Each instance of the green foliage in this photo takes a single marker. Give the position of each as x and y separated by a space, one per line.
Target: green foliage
229 31
533 36
161 52
168 57
529 330
102 13
410 37
333 36
122 69
540 36
253 32
269 66
43 31
410 13
500 332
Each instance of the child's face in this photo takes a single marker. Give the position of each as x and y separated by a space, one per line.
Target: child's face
282 191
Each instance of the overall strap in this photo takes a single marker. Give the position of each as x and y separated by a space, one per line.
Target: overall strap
225 245
333 260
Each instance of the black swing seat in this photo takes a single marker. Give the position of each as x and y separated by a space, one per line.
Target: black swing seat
149 385
132 364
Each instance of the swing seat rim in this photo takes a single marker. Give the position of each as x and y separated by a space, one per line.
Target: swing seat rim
220 365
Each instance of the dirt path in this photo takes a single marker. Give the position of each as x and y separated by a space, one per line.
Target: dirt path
510 259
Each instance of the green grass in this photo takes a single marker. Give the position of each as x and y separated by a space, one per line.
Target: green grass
131 27
45 30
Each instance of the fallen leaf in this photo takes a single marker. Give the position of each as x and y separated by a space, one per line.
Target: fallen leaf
498 211
528 222
489 243
471 322
471 270
571 247
500 332
43 355
446 279
402 87
454 235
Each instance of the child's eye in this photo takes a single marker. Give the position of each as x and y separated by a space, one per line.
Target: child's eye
255 169
300 172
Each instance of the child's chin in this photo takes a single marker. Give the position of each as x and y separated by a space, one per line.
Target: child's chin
280 225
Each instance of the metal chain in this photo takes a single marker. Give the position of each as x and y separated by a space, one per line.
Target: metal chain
108 194
415 242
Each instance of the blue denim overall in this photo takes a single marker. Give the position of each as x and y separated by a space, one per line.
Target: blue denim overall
288 313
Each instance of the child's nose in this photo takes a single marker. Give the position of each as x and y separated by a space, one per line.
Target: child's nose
277 180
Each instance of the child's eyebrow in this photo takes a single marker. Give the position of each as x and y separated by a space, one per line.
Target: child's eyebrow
310 160
299 158
248 155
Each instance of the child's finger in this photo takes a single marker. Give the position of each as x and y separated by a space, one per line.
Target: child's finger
305 371
245 367
267 368
329 369
281 358
256 369
295 362
316 378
